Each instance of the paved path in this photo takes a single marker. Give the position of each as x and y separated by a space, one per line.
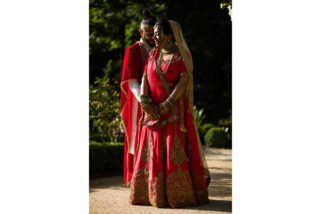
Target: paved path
108 195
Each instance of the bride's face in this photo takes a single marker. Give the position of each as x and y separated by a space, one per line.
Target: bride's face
160 38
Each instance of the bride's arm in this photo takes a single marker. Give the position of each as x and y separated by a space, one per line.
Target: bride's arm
175 95
150 108
179 88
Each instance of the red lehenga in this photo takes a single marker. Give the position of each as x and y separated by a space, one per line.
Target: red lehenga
170 169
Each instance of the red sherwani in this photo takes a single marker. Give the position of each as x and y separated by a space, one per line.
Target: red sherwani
133 66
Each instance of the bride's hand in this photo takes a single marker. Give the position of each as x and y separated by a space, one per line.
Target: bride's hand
151 111
163 109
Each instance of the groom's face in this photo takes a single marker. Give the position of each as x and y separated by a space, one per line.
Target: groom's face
147 34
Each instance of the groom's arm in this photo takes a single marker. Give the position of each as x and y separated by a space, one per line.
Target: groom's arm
135 86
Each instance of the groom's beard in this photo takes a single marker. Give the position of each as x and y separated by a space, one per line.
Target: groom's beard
150 42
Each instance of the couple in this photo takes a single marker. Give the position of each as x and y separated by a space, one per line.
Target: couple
163 159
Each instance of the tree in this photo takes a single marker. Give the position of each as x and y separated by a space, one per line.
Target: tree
206 27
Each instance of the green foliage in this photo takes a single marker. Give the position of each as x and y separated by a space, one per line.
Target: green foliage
206 27
113 27
105 159
198 116
227 125
208 32
217 137
104 112
204 128
226 4
227 122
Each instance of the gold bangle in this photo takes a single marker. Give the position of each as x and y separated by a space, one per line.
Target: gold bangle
170 101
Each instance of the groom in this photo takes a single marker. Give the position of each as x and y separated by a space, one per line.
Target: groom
133 67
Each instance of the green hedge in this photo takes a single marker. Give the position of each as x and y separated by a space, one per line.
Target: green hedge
105 159
202 131
218 137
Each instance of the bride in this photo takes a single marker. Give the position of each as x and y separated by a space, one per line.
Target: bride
170 169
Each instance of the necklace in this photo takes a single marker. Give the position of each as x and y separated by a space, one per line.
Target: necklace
158 64
163 51
169 48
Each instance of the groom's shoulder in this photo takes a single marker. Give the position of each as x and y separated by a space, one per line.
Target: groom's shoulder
133 47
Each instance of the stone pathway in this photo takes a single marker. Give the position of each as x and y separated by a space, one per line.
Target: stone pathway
109 195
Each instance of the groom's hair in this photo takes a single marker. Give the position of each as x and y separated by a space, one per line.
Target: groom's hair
148 19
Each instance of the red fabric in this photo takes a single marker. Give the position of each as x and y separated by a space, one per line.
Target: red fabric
132 69
172 74
169 169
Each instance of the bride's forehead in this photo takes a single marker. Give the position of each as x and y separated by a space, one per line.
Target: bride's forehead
157 29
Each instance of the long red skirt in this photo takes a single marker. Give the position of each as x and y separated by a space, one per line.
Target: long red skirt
170 169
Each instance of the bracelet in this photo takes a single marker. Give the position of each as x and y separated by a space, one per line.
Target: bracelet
144 97
144 100
169 102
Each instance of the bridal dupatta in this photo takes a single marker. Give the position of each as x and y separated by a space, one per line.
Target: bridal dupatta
170 169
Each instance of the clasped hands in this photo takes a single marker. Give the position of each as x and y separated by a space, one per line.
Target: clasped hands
154 111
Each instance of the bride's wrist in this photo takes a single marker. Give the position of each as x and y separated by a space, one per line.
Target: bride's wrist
169 102
144 100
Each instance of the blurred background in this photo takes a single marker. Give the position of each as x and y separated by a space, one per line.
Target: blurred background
207 28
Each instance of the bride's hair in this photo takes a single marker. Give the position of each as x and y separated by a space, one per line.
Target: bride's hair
165 26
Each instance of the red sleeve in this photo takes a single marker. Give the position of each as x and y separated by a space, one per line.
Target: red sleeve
130 68
182 70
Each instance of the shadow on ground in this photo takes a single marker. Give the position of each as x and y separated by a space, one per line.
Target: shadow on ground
109 194
221 185
216 205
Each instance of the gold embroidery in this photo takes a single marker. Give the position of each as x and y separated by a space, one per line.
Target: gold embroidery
158 188
139 187
157 191
182 119
179 189
140 181
177 153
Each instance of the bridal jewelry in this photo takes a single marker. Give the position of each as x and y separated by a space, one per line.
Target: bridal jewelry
169 49
160 60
